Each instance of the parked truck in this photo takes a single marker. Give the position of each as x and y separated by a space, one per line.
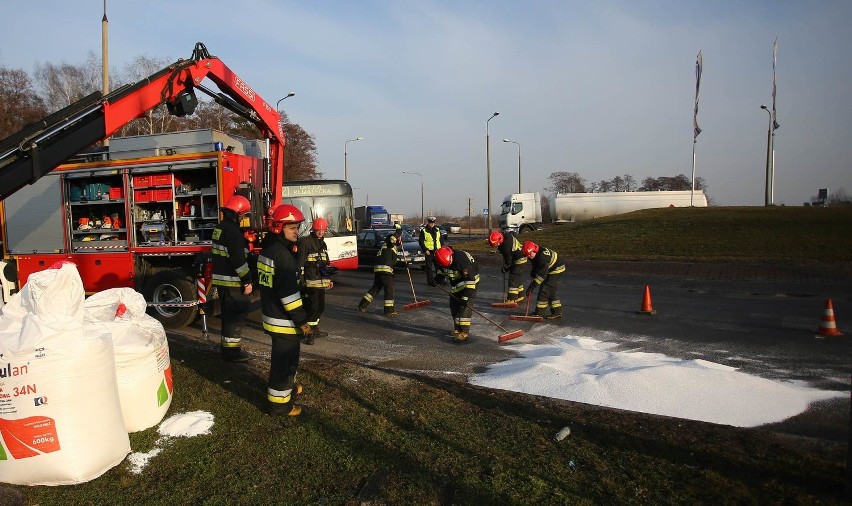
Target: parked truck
522 212
139 214
372 217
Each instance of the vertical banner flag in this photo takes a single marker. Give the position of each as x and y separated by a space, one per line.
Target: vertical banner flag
775 124
698 65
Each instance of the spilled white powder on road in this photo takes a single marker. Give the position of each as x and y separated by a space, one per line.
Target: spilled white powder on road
584 370
180 425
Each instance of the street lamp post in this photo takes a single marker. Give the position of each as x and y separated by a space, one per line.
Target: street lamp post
488 164
292 93
346 157
519 162
422 215
770 160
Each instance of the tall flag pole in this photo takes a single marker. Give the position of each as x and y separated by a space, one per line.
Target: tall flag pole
695 128
105 57
775 123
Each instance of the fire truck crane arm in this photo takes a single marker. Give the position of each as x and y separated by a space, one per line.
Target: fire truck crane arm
37 149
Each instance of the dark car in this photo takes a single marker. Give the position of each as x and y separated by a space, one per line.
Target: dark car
410 230
371 239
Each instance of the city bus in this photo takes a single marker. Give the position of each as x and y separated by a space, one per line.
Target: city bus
332 200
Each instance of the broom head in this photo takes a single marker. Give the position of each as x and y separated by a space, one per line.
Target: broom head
526 318
415 305
504 305
509 335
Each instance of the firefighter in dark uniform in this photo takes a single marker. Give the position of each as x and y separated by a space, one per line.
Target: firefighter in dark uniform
430 242
461 271
513 260
386 258
231 276
313 258
284 316
546 271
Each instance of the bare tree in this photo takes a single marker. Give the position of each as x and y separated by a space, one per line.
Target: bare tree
839 197
618 184
566 182
63 84
158 119
650 184
21 104
605 186
629 183
300 154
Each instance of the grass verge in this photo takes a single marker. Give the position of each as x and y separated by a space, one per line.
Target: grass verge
370 436
787 235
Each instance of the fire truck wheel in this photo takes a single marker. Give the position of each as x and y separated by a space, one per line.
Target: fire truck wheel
170 287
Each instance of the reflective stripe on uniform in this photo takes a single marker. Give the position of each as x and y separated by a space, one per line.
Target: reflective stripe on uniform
385 269
280 326
292 301
318 283
279 396
242 270
223 280
230 342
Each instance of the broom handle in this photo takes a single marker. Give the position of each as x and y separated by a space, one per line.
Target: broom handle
404 259
472 308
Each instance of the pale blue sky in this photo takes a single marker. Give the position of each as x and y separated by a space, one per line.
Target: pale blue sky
602 88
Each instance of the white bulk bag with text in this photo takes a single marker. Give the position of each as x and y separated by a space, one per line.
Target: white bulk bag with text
60 418
142 366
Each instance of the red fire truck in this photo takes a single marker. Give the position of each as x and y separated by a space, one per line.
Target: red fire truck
141 213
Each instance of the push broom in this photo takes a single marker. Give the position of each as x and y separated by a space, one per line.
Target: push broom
416 304
526 317
505 304
502 338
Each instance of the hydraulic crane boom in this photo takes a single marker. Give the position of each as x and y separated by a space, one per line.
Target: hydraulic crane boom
37 149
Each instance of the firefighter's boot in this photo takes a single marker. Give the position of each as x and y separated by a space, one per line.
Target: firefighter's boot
363 305
390 311
286 409
234 354
555 314
461 337
317 332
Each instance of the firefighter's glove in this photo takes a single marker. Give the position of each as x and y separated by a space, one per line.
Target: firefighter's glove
306 329
439 278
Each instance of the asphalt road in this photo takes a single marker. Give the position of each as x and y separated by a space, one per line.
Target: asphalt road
760 319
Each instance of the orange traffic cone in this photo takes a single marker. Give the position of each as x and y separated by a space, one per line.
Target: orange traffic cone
828 327
646 302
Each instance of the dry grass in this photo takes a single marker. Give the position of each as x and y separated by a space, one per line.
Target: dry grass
786 235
